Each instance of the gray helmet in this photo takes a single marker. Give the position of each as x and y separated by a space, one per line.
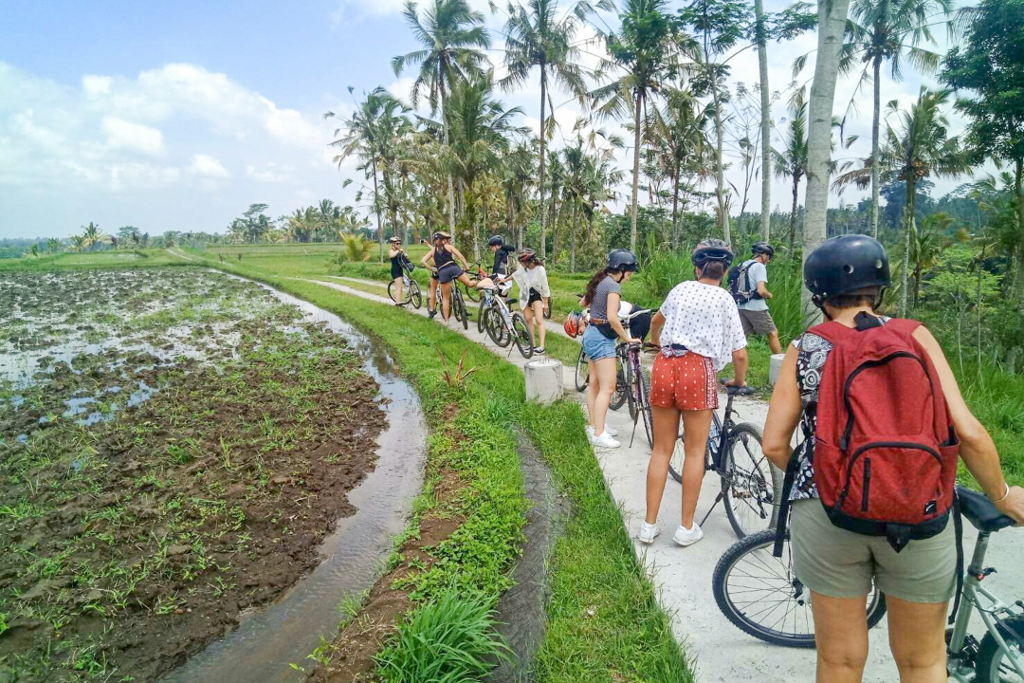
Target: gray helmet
846 264
711 250
623 260
496 241
762 248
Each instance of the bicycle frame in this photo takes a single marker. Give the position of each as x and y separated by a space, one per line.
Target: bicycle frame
990 607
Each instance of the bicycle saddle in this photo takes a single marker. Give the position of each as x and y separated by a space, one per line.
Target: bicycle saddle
980 511
739 391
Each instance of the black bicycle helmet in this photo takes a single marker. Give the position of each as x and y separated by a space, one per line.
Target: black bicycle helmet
496 241
623 260
846 264
762 248
711 250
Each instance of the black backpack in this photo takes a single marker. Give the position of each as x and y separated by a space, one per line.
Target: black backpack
740 294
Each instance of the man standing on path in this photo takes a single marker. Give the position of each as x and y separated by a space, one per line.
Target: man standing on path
752 288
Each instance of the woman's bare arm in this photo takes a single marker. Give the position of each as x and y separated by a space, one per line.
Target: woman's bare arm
783 414
613 317
657 322
458 255
426 258
976 446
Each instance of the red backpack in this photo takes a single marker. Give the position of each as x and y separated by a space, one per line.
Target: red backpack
885 452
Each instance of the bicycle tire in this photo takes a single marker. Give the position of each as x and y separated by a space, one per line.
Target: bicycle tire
990 659
749 476
675 461
780 582
623 378
391 292
459 308
521 334
472 293
480 314
496 329
415 295
582 372
645 405
639 390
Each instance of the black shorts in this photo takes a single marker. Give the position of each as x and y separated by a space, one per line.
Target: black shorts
448 272
534 296
396 271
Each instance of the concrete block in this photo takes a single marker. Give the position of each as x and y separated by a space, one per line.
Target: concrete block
543 380
775 368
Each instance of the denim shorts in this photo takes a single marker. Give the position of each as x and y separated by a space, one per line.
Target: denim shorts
596 345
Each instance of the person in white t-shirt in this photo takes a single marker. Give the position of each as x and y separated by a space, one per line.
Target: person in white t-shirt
699 331
754 283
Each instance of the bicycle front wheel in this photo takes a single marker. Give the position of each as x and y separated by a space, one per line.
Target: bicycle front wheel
472 293
521 335
582 372
761 596
645 405
481 313
459 308
750 483
496 329
623 382
994 663
415 296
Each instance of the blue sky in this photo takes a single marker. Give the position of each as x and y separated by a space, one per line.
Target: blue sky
177 115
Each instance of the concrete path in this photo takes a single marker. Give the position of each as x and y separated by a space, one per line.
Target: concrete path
683 575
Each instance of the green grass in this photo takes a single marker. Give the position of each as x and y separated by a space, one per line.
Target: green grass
99 259
604 622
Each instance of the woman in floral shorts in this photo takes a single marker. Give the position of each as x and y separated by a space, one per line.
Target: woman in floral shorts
699 331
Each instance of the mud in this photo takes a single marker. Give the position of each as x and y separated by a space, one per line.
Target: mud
174 446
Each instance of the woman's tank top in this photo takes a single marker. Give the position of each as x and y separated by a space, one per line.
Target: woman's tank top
442 258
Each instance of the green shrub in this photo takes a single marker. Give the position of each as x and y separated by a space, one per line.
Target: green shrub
450 640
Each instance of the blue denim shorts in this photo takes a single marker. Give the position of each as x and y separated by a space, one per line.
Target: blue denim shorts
596 345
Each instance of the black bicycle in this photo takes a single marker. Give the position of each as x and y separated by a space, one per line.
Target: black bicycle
761 596
410 287
751 485
458 304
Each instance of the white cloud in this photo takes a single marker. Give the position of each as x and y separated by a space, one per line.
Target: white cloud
205 165
123 134
271 174
96 85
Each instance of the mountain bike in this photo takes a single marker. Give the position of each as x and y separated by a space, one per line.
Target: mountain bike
471 293
761 596
751 485
458 304
410 287
999 656
503 325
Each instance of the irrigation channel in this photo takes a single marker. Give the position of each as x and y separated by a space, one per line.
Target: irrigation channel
265 643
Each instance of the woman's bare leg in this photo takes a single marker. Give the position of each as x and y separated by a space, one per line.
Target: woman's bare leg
696 427
606 387
841 634
398 290
917 633
593 388
666 431
446 300
538 314
432 299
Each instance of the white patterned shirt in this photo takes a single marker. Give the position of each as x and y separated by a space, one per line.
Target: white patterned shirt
705 320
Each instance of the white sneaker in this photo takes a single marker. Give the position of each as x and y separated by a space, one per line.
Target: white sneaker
685 537
648 532
608 428
604 441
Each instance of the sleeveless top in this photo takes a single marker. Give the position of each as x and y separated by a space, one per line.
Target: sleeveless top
813 352
442 258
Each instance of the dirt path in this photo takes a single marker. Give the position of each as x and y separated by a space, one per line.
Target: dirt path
174 251
722 652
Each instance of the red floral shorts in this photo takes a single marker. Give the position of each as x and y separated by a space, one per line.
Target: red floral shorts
687 382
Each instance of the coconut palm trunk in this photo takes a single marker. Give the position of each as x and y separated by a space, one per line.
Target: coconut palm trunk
636 171
543 97
766 124
874 146
792 215
675 207
376 208
908 230
723 210
451 183
1018 176
831 25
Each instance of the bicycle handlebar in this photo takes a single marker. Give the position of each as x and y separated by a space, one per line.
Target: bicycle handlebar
739 391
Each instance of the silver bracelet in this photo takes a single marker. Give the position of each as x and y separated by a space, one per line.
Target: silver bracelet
1005 495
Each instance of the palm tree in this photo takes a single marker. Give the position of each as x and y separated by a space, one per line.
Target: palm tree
892 30
646 52
53 245
919 149
517 182
679 136
791 162
452 36
761 40
536 36
926 245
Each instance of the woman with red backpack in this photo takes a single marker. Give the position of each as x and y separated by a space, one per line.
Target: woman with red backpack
871 485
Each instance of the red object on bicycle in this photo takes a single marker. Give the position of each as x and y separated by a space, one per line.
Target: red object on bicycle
572 324
885 452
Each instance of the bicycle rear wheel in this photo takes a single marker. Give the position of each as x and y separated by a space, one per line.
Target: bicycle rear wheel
750 483
761 596
582 372
645 405
391 291
495 326
472 293
415 296
459 308
993 664
521 335
675 463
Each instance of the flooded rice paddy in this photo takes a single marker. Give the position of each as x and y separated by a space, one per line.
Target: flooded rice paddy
175 446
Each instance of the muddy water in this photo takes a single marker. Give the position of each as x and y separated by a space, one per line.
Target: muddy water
265 643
